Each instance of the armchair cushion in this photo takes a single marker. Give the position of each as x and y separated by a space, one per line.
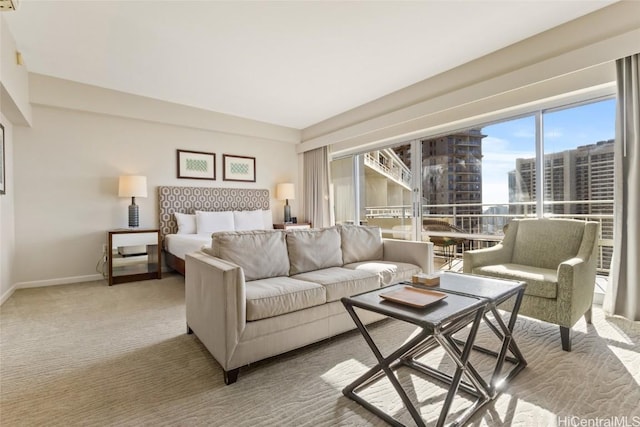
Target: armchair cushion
541 282
546 243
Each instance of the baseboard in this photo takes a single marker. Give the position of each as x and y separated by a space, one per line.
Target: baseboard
7 294
60 281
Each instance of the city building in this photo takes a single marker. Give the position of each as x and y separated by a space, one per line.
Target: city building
452 176
581 174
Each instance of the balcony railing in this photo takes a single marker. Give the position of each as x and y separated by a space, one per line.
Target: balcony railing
394 168
483 224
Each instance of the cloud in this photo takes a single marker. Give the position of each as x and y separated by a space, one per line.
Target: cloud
524 133
553 134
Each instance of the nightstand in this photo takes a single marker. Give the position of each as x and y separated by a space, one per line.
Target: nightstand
292 226
133 254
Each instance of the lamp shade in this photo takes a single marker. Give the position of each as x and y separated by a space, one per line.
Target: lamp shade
285 191
132 186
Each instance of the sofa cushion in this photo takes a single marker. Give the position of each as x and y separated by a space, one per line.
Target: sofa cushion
541 282
313 249
545 243
360 243
341 282
279 295
389 272
260 253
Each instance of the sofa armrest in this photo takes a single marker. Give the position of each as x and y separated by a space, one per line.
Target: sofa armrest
498 254
215 303
417 253
576 284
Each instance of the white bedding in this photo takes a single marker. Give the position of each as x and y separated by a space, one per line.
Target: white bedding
181 244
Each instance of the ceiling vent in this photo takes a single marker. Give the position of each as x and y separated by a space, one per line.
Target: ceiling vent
7 5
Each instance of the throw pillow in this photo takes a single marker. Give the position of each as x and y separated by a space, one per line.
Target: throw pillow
260 253
313 249
361 243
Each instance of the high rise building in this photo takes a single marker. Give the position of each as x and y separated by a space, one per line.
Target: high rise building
451 175
581 174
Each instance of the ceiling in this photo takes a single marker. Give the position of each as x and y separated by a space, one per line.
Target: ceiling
291 63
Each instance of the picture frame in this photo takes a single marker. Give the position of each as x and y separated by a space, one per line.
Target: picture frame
3 182
196 165
238 168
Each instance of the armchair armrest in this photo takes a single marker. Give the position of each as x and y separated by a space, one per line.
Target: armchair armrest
412 252
498 254
576 284
215 303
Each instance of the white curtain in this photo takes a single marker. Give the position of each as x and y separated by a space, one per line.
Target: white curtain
316 187
623 292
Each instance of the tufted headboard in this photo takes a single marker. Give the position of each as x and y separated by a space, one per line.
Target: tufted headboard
189 199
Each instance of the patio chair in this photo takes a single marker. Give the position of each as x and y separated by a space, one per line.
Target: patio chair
447 243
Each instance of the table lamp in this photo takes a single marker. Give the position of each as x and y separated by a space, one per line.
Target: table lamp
286 191
133 186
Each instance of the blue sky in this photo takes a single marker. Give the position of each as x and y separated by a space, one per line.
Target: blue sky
563 130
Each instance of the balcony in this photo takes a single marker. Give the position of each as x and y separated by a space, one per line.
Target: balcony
387 163
485 228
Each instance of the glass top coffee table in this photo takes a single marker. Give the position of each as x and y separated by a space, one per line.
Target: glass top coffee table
467 302
496 291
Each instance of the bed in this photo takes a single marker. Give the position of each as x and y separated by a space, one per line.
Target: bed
188 200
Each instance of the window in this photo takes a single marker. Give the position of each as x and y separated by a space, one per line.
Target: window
343 190
478 179
578 151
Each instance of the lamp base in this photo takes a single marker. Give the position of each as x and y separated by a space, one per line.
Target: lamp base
134 216
287 213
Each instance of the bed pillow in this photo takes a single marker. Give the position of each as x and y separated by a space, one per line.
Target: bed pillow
186 223
267 217
248 220
213 222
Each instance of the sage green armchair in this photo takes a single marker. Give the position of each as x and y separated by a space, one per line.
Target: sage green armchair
557 260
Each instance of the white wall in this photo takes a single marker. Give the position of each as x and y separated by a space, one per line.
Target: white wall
7 236
66 177
14 109
14 87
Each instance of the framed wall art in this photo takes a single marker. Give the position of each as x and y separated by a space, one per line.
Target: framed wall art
238 168
196 165
3 183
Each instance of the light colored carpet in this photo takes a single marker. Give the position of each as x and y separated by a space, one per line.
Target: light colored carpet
88 354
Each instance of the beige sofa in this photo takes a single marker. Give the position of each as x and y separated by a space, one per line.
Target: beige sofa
256 294
556 258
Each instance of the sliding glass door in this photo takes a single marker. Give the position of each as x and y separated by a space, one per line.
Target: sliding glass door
465 186
386 190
